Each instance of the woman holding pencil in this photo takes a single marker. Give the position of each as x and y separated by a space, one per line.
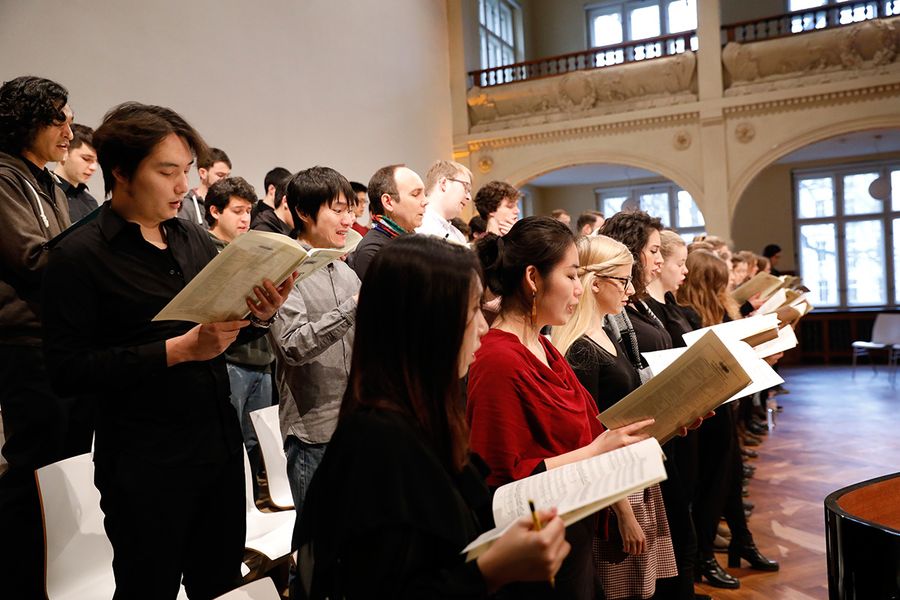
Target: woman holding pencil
527 412
398 495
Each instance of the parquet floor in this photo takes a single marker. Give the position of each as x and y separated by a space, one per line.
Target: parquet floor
835 430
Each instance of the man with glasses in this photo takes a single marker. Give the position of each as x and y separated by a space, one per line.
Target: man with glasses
448 186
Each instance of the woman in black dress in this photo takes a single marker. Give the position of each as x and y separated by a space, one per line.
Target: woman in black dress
630 563
718 489
640 330
397 495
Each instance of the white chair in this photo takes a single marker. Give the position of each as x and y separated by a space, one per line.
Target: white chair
268 432
885 334
267 533
261 589
79 555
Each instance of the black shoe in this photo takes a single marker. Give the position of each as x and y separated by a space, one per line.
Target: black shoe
749 453
702 597
757 429
715 574
745 492
749 552
751 441
749 471
748 505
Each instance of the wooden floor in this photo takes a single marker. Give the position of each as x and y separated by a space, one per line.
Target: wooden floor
835 430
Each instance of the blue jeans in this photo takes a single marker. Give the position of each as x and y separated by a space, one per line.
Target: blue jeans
250 390
302 461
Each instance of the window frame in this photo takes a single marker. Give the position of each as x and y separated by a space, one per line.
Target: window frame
486 34
840 219
633 193
624 8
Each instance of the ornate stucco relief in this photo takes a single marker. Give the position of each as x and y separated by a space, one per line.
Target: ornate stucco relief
660 82
850 52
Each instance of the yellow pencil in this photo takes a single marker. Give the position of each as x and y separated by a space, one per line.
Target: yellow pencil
537 527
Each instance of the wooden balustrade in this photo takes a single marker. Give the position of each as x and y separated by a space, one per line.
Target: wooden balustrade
592 58
807 20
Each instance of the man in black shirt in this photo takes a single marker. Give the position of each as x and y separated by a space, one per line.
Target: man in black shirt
35 128
272 213
74 171
168 455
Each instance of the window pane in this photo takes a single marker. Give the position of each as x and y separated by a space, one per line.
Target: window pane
688 213
657 205
865 263
682 15
815 198
802 4
612 205
897 261
644 22
818 263
857 200
895 191
505 26
892 8
607 29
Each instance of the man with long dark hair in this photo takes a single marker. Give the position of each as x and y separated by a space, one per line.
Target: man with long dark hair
35 129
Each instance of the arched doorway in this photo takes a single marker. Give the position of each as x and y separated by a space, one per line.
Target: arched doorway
609 188
834 208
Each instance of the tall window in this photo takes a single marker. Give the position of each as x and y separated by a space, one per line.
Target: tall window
674 206
847 240
615 22
499 32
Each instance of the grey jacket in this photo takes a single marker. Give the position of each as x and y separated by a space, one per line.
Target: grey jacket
30 219
313 340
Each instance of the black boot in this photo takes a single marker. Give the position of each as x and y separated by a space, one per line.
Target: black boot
714 574
749 552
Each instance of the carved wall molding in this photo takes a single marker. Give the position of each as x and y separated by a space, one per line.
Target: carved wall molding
843 53
744 132
557 135
485 164
861 94
681 140
665 81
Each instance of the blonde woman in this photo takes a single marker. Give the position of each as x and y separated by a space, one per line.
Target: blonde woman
661 291
638 548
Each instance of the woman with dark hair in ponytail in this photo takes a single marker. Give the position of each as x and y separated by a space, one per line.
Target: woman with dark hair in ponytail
527 412
398 495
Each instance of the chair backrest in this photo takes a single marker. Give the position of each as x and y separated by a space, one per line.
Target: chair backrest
268 432
77 548
261 589
886 329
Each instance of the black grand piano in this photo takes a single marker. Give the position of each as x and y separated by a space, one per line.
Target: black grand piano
862 529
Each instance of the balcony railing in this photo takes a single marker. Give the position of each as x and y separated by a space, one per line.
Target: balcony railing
592 58
811 19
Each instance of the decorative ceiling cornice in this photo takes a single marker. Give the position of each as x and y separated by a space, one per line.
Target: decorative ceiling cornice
569 133
825 98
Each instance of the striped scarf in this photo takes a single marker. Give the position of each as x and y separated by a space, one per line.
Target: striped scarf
387 227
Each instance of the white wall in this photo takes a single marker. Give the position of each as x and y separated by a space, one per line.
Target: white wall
350 84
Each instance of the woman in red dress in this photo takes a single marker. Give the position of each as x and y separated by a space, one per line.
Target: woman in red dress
527 412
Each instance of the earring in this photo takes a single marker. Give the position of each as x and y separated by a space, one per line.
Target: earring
533 307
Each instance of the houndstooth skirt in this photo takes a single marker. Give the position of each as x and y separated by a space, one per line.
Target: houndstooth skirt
628 576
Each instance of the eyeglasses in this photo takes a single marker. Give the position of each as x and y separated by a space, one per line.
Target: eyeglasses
625 281
466 185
